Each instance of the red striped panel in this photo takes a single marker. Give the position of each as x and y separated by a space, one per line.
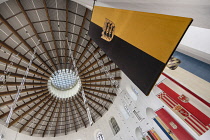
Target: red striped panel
180 132
193 110
191 120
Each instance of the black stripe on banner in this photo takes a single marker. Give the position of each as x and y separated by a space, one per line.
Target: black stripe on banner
150 135
140 67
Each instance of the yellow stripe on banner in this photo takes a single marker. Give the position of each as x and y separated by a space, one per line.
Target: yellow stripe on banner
155 34
156 135
166 128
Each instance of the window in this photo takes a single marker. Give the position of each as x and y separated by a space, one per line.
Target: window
99 136
115 127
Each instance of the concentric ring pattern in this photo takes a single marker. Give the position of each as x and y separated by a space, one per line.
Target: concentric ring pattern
22 24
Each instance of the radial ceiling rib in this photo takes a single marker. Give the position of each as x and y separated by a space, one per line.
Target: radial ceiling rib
21 106
24 90
44 115
59 115
91 107
78 112
88 59
21 76
92 64
84 51
22 57
98 68
34 116
96 96
51 30
99 80
100 74
65 122
50 118
28 111
26 84
66 35
23 41
22 67
93 85
96 102
71 110
24 97
80 32
103 92
84 108
34 30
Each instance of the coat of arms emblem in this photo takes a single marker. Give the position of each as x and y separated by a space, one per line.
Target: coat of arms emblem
108 30
183 98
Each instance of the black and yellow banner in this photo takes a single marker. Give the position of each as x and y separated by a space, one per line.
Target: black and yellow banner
139 43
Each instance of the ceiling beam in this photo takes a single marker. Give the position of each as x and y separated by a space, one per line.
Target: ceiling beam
59 115
72 115
50 106
91 107
99 97
89 58
23 97
50 118
21 76
79 112
80 32
27 122
28 111
26 83
34 30
100 74
23 41
99 80
92 85
66 35
21 106
83 107
99 91
22 68
51 30
6 93
65 116
23 57
84 51
98 68
96 102
92 64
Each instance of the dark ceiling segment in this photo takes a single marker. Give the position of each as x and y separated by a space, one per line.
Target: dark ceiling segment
28 111
88 59
100 74
52 114
99 80
21 106
6 93
24 97
84 51
99 97
22 57
34 30
51 30
78 112
66 35
23 41
44 115
80 32
59 115
22 67
71 110
98 68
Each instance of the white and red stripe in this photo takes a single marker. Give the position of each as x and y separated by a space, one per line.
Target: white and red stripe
191 120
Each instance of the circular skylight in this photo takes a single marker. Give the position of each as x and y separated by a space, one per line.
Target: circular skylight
64 79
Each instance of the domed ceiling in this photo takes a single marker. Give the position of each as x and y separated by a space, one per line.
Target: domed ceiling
51 103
